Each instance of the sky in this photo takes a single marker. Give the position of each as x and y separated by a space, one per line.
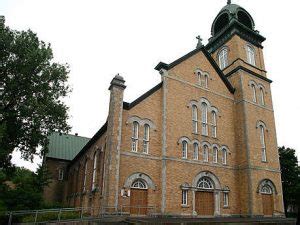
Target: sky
100 38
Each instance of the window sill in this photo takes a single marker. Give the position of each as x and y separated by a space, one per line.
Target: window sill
226 207
264 161
195 133
185 206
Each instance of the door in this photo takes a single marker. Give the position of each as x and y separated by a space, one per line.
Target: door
138 201
204 203
268 204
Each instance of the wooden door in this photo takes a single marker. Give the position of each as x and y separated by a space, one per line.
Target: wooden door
268 204
204 203
138 201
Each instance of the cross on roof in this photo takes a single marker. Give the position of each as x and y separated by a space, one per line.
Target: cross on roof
228 2
199 44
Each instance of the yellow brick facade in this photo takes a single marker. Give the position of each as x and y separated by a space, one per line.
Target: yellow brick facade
167 109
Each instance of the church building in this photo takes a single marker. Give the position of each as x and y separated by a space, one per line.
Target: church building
202 142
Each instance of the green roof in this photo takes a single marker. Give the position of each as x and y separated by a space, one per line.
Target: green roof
65 146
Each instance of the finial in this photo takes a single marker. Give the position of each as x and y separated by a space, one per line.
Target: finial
228 2
199 44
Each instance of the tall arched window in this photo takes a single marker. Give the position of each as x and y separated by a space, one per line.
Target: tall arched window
223 58
135 136
214 124
224 156
215 154
263 144
250 55
204 119
84 176
253 92
195 119
94 171
196 151
205 153
262 97
184 149
205 80
146 138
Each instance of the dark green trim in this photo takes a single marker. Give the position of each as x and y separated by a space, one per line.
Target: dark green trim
165 66
248 71
234 27
128 106
246 64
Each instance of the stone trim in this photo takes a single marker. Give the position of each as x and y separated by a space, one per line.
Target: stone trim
255 104
139 175
141 121
266 182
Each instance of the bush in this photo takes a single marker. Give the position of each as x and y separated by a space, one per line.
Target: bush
51 216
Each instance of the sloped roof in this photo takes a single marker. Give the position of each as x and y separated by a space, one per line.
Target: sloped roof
65 146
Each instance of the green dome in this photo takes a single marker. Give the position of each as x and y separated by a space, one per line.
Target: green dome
229 13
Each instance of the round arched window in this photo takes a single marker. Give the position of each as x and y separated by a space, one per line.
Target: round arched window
139 184
266 189
205 183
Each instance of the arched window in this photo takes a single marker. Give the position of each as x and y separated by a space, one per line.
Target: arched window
223 58
253 92
85 175
195 119
215 154
266 189
214 124
205 81
184 149
262 97
224 156
135 136
60 174
139 184
204 119
196 151
250 55
94 171
205 153
205 183
146 138
263 144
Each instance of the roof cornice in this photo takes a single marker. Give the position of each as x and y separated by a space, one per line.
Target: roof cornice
248 71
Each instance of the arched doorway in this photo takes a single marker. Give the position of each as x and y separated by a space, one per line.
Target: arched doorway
204 197
267 200
138 197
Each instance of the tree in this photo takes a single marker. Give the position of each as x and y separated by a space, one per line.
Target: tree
290 175
31 90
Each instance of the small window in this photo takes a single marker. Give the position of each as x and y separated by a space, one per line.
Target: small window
205 153
196 150
224 156
139 184
266 189
253 92
205 183
184 149
135 137
262 97
184 197
263 144
225 199
94 172
60 174
195 119
204 119
146 138
214 124
223 58
250 55
215 155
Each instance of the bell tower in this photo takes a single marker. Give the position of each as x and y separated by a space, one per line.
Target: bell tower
237 48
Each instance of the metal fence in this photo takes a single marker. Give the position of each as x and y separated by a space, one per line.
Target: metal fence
80 213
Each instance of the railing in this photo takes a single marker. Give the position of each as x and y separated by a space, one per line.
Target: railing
80 213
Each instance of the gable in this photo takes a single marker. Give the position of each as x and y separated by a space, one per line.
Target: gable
189 57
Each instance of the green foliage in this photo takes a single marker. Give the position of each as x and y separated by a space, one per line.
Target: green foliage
290 175
51 216
25 190
31 90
